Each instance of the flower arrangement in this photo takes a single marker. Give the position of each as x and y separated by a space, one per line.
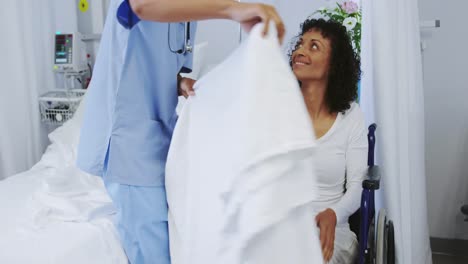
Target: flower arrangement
349 15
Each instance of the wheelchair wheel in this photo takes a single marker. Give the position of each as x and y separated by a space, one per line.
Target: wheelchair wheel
381 245
390 243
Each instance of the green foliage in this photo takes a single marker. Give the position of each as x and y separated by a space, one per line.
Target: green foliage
349 15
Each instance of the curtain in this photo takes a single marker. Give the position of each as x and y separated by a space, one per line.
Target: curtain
25 73
392 87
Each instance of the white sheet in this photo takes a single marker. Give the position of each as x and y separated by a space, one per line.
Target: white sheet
55 214
239 175
68 195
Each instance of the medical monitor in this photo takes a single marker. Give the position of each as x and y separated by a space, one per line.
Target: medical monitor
69 53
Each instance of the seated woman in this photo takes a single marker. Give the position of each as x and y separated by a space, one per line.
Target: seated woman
328 70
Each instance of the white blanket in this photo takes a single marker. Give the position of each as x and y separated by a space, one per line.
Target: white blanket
69 195
239 175
54 213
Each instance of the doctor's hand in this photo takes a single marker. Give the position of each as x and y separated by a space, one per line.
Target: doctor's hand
185 86
249 14
326 221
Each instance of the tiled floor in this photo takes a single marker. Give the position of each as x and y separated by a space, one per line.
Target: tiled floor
446 259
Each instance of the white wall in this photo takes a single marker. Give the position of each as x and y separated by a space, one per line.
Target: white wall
92 22
446 110
223 36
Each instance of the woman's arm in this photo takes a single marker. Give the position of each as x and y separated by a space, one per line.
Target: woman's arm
356 166
248 14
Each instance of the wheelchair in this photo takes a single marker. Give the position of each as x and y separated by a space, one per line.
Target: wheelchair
375 235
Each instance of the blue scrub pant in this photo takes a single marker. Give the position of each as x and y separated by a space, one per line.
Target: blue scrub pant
141 222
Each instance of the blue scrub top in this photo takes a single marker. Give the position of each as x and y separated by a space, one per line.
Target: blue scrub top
130 106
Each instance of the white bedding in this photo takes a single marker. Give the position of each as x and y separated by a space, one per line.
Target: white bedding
55 213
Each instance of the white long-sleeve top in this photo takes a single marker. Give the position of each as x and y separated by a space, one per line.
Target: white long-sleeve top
341 163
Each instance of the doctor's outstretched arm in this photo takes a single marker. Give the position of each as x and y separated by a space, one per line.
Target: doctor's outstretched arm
247 14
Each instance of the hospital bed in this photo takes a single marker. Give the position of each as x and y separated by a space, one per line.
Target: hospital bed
54 213
375 234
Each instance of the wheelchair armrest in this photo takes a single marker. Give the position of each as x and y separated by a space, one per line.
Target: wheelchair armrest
464 209
372 179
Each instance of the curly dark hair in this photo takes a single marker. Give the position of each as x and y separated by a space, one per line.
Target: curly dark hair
345 64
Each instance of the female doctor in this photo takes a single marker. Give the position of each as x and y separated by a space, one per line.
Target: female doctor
130 107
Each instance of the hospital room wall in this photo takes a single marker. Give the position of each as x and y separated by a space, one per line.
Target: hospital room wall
92 22
223 36
30 33
445 62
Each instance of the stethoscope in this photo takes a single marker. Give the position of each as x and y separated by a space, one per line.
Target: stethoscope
128 19
187 41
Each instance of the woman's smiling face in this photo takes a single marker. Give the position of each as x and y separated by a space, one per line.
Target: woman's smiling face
311 58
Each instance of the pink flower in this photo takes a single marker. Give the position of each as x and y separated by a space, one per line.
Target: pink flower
350 7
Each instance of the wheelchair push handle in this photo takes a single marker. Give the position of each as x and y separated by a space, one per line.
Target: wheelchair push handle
371 141
372 178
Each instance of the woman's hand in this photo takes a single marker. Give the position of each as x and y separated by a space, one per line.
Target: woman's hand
185 86
326 221
249 14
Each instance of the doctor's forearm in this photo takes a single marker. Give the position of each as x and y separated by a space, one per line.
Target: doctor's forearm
183 10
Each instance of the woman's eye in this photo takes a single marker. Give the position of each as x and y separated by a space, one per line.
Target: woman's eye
314 46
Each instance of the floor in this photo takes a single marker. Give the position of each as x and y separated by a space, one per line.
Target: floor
449 251
448 259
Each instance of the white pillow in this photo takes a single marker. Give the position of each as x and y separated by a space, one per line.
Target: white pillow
62 152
